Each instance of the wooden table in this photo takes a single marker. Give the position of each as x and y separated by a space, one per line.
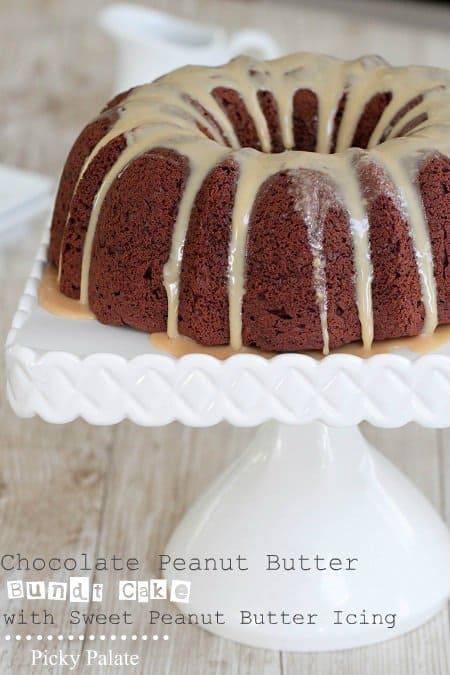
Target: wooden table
73 489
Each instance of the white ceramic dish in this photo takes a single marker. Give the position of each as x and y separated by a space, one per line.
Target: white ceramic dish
150 43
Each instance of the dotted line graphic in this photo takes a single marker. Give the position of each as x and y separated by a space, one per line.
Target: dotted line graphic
86 637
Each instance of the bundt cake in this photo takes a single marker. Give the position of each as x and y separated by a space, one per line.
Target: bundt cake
301 203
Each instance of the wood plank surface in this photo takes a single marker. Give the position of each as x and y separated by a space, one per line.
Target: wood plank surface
73 489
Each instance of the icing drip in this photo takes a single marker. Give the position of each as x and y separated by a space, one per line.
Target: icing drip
313 199
359 228
250 178
168 114
420 344
362 264
205 160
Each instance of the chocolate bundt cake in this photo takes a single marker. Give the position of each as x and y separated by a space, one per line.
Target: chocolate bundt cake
301 203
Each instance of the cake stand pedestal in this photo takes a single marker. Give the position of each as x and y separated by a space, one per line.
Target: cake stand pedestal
308 485
315 490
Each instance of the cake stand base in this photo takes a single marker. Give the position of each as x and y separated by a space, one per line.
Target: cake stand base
358 555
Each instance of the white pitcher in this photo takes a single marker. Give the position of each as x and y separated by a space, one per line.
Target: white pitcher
151 43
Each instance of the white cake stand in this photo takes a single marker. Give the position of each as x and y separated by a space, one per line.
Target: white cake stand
309 484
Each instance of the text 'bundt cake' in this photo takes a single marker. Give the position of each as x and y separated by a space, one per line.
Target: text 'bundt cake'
301 203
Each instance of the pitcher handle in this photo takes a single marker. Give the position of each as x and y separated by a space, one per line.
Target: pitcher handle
257 42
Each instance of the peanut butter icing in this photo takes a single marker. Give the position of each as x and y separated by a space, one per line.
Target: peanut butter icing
55 302
421 344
